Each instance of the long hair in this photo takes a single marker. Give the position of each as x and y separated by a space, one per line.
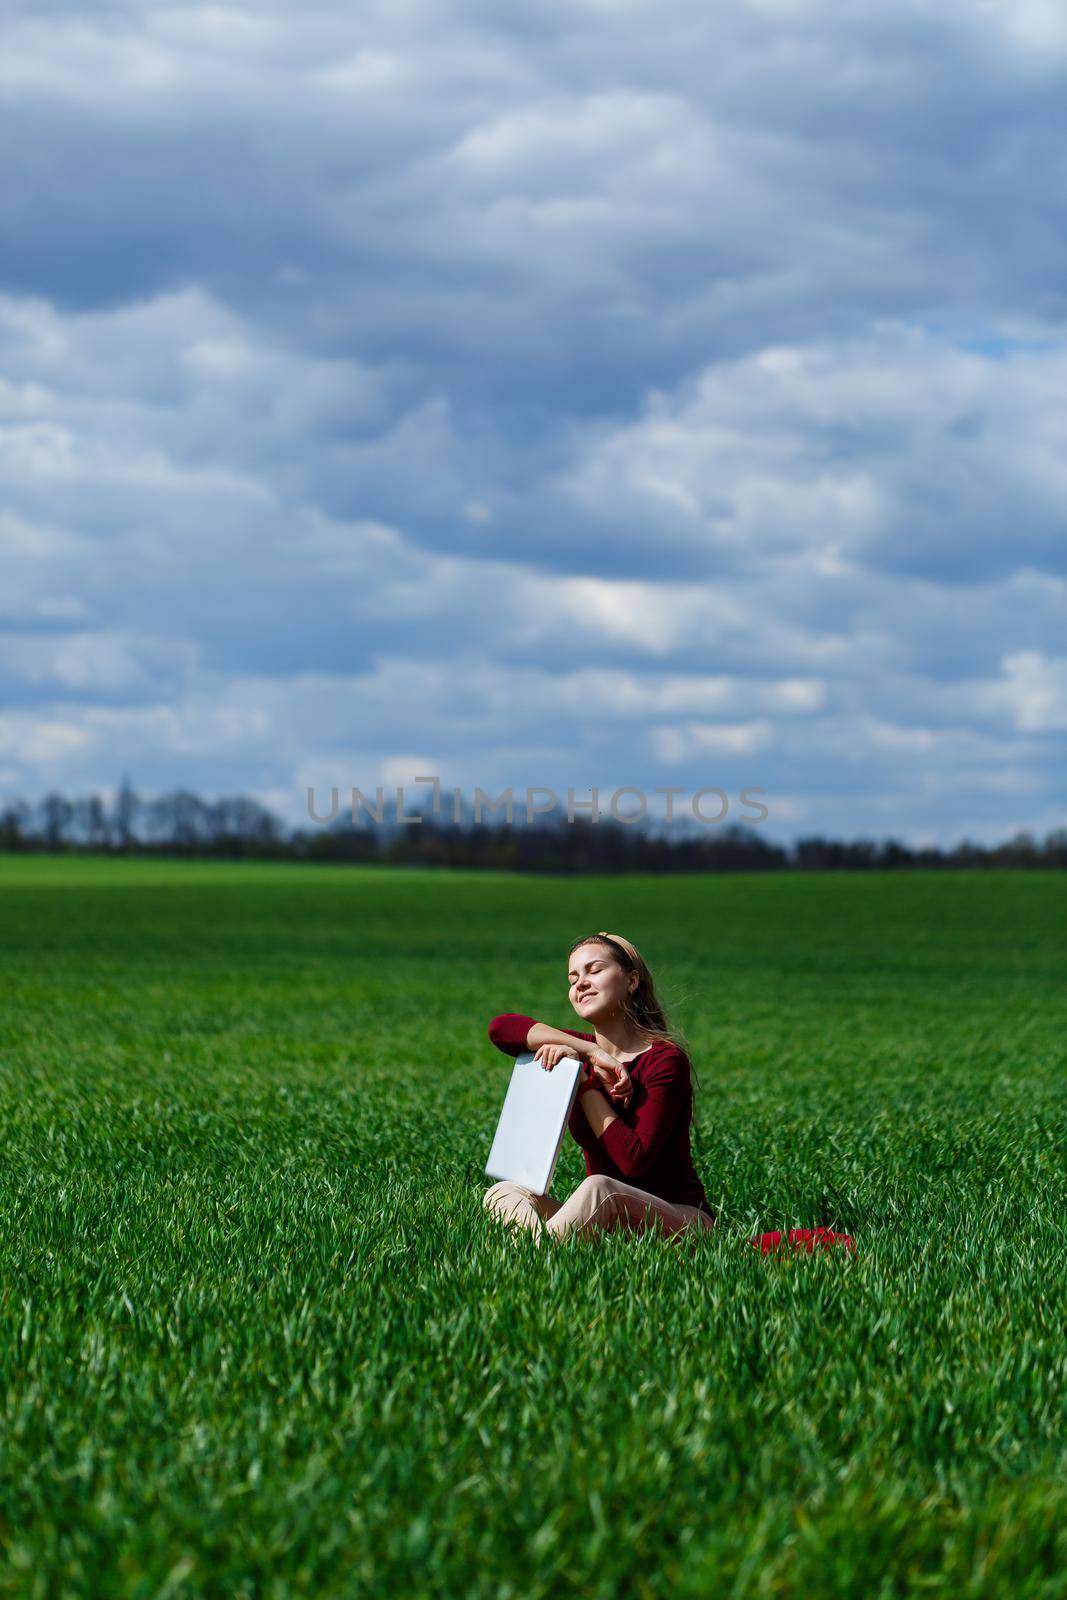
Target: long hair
642 1009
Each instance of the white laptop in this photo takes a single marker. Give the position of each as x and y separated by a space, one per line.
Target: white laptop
533 1121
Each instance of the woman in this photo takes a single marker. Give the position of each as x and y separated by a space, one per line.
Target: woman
633 1109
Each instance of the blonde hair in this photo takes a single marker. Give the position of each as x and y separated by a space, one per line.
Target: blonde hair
642 1009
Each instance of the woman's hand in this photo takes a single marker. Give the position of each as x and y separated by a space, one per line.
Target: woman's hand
614 1076
546 1055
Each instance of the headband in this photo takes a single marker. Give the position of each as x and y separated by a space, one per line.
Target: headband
620 944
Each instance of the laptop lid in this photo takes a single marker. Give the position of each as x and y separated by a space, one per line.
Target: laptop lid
533 1120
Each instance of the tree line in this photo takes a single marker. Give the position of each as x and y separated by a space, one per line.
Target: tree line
182 824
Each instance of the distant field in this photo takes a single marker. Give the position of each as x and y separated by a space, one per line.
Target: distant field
258 1338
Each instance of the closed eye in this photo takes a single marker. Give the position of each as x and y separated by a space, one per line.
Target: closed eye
574 975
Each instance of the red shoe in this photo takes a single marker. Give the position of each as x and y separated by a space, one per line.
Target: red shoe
825 1238
804 1239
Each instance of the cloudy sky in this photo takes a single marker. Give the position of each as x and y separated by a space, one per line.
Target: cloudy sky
590 394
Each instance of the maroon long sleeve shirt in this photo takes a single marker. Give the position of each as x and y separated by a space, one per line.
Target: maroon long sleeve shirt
648 1143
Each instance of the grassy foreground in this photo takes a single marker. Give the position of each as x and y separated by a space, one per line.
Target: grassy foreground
258 1337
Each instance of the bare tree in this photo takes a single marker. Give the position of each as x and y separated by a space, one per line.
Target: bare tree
56 816
127 811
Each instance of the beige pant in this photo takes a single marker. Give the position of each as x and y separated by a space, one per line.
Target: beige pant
599 1204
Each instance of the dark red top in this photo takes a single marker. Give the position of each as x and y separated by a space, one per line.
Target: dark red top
648 1143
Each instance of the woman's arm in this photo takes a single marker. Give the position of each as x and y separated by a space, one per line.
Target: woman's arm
578 1123
599 1113
513 1033
667 1094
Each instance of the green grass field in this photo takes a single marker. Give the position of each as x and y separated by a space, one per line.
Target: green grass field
259 1338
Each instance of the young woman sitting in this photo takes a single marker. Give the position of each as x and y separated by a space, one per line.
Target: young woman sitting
633 1110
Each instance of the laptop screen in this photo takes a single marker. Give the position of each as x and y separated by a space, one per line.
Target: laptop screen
532 1123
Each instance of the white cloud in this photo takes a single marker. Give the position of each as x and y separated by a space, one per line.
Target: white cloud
39 742
896 450
1034 690
683 743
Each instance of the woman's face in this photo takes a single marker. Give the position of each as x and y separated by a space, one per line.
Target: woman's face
597 982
